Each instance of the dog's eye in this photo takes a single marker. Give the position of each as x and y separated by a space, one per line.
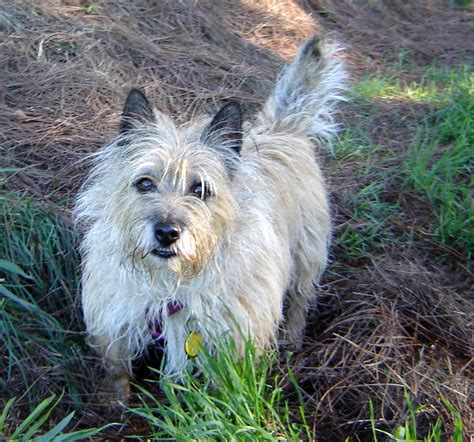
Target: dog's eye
144 185
201 190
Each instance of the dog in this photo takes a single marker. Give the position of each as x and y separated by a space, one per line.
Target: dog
211 228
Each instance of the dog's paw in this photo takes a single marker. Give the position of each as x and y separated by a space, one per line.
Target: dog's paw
115 392
290 340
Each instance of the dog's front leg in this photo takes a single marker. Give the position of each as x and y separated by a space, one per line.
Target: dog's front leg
115 387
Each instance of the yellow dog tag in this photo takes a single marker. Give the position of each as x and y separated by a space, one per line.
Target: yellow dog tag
194 343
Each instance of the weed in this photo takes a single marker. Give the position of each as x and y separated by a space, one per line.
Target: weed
441 161
370 230
462 2
438 165
409 432
371 203
90 8
35 422
39 336
228 399
390 88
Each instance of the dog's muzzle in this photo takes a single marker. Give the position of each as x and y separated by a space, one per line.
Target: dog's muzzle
166 235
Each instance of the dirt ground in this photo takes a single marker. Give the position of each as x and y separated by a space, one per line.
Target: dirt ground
394 322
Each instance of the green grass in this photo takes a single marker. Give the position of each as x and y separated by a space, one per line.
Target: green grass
438 165
230 399
36 426
370 230
409 432
392 88
40 343
38 308
374 210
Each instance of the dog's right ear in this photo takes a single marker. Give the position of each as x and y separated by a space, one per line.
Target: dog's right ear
137 109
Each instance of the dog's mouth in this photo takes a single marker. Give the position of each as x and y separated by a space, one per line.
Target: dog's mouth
164 253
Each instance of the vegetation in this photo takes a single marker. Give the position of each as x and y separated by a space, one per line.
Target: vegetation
437 167
408 432
441 160
38 313
228 398
387 350
32 427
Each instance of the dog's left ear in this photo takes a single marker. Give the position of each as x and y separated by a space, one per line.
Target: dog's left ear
225 129
137 108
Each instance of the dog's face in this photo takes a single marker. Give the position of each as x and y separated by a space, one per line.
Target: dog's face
170 196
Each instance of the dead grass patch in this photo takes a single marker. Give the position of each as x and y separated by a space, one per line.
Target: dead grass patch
394 325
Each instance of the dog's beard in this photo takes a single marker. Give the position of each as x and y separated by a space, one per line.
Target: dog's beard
186 257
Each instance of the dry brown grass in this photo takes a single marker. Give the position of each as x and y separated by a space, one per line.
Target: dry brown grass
398 321
378 30
391 327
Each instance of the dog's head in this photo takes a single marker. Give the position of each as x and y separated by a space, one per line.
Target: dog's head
167 192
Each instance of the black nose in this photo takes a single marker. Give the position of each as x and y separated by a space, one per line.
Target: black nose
167 234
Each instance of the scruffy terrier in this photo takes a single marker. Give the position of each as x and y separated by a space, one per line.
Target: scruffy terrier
209 228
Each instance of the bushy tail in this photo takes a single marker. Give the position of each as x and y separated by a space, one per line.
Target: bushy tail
307 91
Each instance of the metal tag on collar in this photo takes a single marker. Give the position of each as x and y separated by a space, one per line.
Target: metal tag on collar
193 344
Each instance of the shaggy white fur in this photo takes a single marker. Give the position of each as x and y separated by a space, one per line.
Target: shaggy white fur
250 214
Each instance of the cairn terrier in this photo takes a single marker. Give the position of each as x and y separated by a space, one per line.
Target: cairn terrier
209 228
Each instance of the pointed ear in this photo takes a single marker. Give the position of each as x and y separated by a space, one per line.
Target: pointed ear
137 108
225 129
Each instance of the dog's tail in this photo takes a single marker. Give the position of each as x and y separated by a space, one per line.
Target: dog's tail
307 91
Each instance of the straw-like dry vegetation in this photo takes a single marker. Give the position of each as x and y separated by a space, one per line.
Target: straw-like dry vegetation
396 302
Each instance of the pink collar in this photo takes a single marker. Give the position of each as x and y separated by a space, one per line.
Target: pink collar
155 323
